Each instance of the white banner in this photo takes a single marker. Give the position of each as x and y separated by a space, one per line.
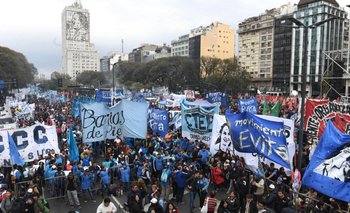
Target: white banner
220 138
31 142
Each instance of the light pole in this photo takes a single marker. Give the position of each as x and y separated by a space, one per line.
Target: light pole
306 28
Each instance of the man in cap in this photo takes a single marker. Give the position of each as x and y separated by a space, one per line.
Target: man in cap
86 184
270 199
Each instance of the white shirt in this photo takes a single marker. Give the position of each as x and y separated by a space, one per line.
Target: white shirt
109 209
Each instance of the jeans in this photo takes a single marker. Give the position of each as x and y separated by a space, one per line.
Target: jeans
104 187
165 192
180 194
89 192
192 198
73 197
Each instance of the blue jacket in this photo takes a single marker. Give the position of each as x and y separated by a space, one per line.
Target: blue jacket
85 181
180 179
158 163
104 177
125 174
205 155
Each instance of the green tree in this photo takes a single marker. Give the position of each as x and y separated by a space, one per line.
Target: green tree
224 75
15 65
91 78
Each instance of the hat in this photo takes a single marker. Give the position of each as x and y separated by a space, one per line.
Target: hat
271 186
53 167
279 179
154 200
233 161
227 161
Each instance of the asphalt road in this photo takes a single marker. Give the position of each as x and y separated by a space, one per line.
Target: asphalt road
61 205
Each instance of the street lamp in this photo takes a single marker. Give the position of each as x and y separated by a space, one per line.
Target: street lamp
299 25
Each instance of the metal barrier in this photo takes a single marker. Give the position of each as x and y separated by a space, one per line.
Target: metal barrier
54 188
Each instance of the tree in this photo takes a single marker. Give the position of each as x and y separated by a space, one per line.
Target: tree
14 65
225 76
173 72
91 78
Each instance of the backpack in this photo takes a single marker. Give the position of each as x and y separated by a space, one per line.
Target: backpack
46 205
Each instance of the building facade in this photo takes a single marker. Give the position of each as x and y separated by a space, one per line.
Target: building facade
149 52
215 40
179 47
328 36
78 54
257 37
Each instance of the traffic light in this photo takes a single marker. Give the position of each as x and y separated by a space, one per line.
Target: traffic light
60 82
14 83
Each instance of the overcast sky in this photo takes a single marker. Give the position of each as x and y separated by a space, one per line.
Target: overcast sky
33 27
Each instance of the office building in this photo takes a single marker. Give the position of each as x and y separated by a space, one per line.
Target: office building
257 37
329 36
215 40
78 54
179 47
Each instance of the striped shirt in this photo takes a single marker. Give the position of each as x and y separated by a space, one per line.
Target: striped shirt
211 204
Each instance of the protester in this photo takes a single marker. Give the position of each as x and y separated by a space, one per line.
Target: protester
223 207
106 206
151 169
211 202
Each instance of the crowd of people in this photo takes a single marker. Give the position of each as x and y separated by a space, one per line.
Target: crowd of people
154 174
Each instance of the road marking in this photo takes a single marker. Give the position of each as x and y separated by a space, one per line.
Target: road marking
118 203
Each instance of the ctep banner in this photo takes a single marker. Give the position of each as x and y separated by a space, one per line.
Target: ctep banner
197 122
319 112
31 142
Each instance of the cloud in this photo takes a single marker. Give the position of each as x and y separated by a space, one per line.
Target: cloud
34 27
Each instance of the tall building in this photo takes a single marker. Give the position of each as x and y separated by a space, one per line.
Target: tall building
257 37
78 54
104 64
326 37
179 47
215 40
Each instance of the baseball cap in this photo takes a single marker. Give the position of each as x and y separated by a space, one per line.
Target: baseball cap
271 186
279 179
154 200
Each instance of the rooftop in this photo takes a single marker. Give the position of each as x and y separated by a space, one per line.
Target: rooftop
305 2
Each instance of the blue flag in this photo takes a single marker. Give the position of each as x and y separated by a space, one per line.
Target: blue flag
14 154
329 168
248 105
158 121
72 145
252 134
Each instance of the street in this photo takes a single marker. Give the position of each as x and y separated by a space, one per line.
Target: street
62 206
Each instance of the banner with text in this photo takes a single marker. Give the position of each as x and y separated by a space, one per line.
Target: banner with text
197 122
125 119
248 105
319 112
217 97
31 142
158 121
251 134
106 95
